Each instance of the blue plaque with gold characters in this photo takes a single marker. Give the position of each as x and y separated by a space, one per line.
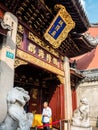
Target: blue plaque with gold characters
61 25
57 27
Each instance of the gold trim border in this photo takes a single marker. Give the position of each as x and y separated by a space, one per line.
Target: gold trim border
70 24
19 62
31 59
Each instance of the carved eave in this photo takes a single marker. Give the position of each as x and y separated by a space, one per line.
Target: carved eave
76 73
91 40
77 44
38 16
32 12
76 76
90 75
90 79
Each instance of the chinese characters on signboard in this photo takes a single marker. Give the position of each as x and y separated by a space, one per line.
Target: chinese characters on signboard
61 25
57 27
33 49
40 52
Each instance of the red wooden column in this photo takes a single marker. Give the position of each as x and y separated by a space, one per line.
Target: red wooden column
67 91
74 99
57 104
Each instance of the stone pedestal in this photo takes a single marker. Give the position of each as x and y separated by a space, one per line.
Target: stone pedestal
80 128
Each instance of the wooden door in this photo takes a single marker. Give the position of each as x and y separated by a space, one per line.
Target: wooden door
57 104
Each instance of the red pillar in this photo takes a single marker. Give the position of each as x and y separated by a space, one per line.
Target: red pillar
74 99
57 104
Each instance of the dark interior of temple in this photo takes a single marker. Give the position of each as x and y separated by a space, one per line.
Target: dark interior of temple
40 84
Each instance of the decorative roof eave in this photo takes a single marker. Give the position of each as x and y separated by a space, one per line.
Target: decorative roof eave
76 45
91 40
86 38
44 20
85 44
94 25
90 79
81 13
36 15
76 73
90 75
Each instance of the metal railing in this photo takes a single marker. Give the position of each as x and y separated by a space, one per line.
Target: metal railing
61 123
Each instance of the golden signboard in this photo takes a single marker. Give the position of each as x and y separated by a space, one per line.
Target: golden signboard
60 27
34 60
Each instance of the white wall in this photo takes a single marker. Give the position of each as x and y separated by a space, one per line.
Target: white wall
90 91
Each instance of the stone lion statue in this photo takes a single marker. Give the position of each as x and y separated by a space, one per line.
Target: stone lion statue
81 114
17 118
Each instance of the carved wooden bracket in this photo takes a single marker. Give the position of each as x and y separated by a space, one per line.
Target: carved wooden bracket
19 62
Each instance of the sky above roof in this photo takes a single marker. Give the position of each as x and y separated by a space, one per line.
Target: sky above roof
91 9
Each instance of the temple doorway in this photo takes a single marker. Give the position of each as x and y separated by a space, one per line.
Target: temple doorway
41 85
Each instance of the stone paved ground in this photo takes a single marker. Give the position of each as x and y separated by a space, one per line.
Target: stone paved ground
95 128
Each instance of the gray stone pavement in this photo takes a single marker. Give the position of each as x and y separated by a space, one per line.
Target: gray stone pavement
95 128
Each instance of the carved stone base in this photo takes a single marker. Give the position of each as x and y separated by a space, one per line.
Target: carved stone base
80 128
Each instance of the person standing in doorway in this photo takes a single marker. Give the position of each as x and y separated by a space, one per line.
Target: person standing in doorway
46 115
